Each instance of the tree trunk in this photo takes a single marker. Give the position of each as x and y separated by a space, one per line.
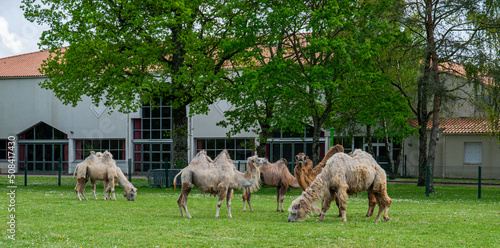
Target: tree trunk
389 152
179 137
263 136
396 165
422 153
369 148
316 146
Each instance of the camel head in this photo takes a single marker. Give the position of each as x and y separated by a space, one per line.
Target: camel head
298 210
130 194
301 158
255 160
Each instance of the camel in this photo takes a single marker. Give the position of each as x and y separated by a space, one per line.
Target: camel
217 177
102 166
305 174
274 175
343 175
304 171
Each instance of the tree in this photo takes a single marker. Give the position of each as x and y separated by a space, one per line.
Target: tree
325 47
446 35
132 52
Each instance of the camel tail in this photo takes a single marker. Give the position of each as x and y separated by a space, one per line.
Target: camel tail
74 172
175 178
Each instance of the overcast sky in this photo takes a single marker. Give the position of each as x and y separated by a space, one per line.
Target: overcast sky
17 35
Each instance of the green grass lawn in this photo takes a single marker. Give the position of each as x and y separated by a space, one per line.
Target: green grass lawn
51 216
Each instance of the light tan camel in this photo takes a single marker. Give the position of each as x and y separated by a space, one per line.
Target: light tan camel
218 178
344 175
305 174
102 166
274 175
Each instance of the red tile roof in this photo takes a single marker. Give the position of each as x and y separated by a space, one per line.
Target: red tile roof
24 65
459 125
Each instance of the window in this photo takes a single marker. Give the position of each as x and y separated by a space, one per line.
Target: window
473 153
151 156
41 146
3 149
114 146
156 123
239 149
42 131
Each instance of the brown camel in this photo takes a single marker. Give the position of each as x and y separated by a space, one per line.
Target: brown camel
344 175
304 171
217 177
102 166
274 175
305 174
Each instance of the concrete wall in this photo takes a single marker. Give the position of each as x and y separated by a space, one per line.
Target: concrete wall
450 154
24 104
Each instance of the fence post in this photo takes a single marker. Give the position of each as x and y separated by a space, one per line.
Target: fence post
166 173
130 170
427 179
332 141
60 171
26 171
479 182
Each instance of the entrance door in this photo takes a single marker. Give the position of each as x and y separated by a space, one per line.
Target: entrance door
41 147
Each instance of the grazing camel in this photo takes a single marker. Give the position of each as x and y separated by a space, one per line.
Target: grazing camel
102 166
344 175
305 174
217 177
274 175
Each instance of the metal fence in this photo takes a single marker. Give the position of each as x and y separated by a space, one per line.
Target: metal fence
161 178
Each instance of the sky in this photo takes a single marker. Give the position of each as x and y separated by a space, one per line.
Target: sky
17 35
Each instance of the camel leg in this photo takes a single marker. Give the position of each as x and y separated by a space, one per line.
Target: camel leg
111 189
228 201
384 203
222 194
338 205
342 198
182 201
281 196
372 201
105 190
92 184
246 198
326 205
80 187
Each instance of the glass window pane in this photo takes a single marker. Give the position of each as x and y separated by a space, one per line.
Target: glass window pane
166 112
146 124
210 144
48 153
287 152
105 145
211 154
165 124
220 144
156 147
145 112
156 135
358 142
230 144
156 157
96 144
276 153
155 112
155 124
146 134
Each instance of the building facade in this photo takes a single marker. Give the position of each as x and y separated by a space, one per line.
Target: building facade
46 130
